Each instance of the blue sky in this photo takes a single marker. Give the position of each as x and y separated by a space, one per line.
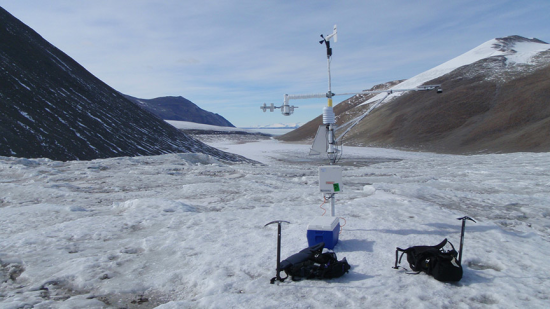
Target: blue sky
229 57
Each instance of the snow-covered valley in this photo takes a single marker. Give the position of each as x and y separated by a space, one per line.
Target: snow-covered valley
187 231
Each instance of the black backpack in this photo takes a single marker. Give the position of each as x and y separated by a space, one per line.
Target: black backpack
443 265
312 263
433 260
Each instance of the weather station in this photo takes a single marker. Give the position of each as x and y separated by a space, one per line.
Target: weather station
326 229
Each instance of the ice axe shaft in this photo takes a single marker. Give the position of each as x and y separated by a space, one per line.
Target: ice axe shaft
278 276
462 236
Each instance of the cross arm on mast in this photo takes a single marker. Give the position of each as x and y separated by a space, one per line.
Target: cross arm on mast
289 97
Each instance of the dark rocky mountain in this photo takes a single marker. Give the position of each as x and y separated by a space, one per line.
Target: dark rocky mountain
491 105
179 108
52 107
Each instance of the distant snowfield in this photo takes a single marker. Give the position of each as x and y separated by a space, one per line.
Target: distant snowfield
186 125
187 231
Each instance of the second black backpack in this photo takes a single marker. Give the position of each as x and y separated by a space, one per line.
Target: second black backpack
433 260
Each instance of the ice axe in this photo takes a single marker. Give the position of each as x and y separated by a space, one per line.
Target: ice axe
278 276
462 236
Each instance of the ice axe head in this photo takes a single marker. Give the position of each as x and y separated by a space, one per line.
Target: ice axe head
277 221
466 218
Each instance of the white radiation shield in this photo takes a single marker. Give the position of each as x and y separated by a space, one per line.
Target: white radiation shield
319 146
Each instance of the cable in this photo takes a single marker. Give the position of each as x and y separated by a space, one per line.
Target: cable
340 152
325 211
342 226
324 201
330 196
321 206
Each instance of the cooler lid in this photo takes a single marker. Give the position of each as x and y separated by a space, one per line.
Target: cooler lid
323 223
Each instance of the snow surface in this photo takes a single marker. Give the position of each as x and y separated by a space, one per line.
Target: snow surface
515 52
187 231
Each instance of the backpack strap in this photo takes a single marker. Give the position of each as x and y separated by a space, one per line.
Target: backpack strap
442 244
397 256
450 243
398 259
272 281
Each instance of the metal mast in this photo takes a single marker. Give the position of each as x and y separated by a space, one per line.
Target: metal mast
329 119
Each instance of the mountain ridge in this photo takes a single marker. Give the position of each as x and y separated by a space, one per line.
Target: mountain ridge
180 109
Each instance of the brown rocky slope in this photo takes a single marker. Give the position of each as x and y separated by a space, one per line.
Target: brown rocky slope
489 106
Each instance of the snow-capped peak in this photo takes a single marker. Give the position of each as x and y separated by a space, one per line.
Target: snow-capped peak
519 49
516 49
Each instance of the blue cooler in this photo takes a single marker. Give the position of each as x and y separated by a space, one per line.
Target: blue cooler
323 229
